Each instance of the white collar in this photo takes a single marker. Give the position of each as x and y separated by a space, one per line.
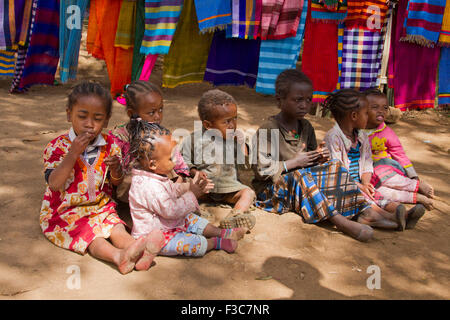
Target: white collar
98 142
347 142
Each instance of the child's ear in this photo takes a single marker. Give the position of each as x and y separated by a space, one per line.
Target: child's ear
207 124
129 113
152 165
68 114
354 115
277 96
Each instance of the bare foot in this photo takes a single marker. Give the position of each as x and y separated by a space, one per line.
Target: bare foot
129 256
426 189
154 243
374 219
427 202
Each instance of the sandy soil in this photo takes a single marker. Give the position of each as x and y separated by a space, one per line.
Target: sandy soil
282 258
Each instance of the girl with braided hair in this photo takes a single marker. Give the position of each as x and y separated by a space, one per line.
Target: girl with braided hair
157 203
349 144
78 212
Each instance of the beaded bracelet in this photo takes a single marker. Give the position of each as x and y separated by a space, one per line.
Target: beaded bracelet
112 177
284 164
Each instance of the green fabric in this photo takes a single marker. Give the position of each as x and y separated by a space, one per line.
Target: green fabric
138 58
126 25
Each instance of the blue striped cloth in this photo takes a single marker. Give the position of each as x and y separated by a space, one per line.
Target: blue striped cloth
353 156
278 55
70 25
7 62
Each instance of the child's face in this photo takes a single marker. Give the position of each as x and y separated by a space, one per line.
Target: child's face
298 101
161 162
226 120
150 107
361 116
378 109
88 114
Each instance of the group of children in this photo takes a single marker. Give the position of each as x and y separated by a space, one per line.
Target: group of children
357 178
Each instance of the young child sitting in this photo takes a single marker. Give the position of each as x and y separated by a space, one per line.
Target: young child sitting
157 203
143 100
218 113
78 212
350 144
394 176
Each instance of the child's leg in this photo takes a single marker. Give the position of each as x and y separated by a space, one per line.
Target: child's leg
400 182
397 195
212 231
377 217
354 229
242 199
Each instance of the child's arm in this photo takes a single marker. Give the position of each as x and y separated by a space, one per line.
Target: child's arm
173 208
395 149
59 175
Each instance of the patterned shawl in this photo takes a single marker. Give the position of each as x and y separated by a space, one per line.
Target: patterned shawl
7 62
368 15
213 15
444 37
126 25
246 19
444 78
280 18
329 11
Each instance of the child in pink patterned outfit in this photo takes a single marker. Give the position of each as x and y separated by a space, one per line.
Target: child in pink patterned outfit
394 176
157 203
143 99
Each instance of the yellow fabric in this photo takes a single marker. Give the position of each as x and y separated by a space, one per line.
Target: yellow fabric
444 37
126 25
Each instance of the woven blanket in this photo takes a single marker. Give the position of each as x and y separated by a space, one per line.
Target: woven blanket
444 78
444 37
367 15
246 19
280 18
213 15
333 11
7 62
126 26
276 56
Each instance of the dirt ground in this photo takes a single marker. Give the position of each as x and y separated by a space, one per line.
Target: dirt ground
282 258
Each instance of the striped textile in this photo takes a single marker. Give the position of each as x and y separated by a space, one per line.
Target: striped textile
367 15
179 67
138 57
213 15
278 55
412 69
7 62
280 18
42 55
353 156
23 17
126 25
423 21
161 18
316 193
232 61
341 29
444 77
70 38
246 19
444 36
6 23
333 11
320 57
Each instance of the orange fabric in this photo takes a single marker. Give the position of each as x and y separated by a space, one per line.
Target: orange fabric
105 15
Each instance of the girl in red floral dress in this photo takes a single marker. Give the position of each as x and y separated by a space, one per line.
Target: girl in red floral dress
81 167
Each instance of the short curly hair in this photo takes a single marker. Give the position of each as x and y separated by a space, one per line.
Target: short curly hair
210 101
286 78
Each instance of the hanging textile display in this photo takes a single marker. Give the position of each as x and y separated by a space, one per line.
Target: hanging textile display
70 37
444 77
246 19
42 54
333 11
423 21
320 57
7 62
14 23
180 67
138 57
444 36
6 23
126 25
367 15
213 15
412 68
280 18
161 17
232 61
278 55
23 17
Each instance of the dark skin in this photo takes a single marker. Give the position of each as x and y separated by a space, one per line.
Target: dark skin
88 117
295 106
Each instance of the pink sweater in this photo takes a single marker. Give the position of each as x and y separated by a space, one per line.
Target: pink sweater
385 144
158 203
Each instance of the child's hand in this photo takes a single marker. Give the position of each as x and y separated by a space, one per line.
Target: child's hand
306 159
368 189
113 162
81 142
200 186
324 153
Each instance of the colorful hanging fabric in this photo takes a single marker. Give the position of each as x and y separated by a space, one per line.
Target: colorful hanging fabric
367 15
320 57
23 17
280 18
412 68
333 11
138 57
126 25
423 21
362 51
70 26
180 68
161 17
7 24
278 55
93 43
42 55
246 19
444 78
7 62
444 37
232 61
213 15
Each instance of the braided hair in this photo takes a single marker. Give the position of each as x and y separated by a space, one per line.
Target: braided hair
137 88
343 102
90 88
143 136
